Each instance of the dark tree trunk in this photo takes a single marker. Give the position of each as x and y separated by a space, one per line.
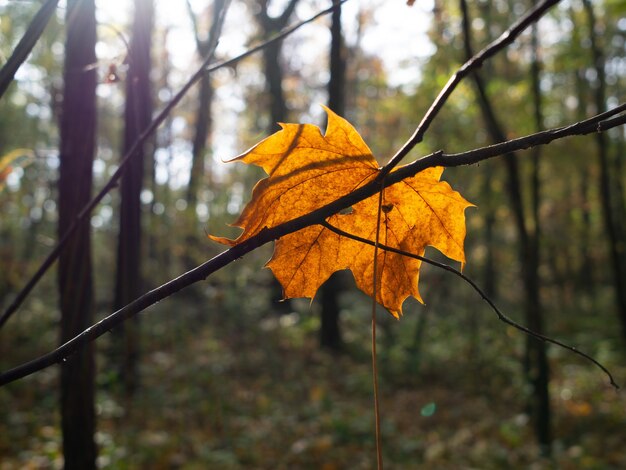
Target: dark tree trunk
204 123
137 115
274 85
585 279
78 124
330 333
274 75
610 209
536 364
201 136
536 350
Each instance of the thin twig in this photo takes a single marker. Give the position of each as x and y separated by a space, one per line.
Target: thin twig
599 123
506 38
501 316
158 120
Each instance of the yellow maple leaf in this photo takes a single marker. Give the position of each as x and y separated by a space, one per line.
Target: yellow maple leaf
307 171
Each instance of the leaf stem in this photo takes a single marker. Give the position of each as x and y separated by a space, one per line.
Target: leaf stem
379 451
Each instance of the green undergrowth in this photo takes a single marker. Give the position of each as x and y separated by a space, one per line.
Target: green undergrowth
248 389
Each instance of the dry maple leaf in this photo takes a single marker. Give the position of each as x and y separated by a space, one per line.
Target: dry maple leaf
307 171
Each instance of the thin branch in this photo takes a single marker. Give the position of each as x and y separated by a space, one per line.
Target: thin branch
158 120
501 316
475 62
595 124
194 25
26 44
286 14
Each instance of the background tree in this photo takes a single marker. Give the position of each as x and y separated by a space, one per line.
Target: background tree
273 71
137 117
330 333
536 365
77 145
224 374
610 175
203 120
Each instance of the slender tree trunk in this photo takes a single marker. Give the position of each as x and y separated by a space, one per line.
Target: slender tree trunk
330 333
537 350
272 66
137 115
274 75
585 278
204 122
78 124
274 85
536 364
610 211
201 136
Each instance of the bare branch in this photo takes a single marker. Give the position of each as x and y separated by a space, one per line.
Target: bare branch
26 44
475 62
194 25
284 17
158 120
501 316
599 123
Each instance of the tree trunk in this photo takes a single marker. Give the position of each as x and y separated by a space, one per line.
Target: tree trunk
536 364
202 131
330 333
204 123
137 115
78 124
274 75
610 211
537 350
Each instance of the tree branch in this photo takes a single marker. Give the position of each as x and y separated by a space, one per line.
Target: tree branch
26 44
501 316
475 62
599 123
158 120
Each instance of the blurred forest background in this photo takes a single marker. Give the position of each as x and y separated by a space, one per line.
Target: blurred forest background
222 375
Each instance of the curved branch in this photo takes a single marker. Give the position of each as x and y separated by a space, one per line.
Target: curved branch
475 62
595 124
501 316
158 120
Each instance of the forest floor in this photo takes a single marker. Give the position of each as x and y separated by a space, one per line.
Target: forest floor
261 395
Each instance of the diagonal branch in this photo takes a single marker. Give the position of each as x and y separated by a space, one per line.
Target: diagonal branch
158 120
599 123
501 316
26 44
475 62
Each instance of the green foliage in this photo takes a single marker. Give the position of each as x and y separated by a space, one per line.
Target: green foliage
229 384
